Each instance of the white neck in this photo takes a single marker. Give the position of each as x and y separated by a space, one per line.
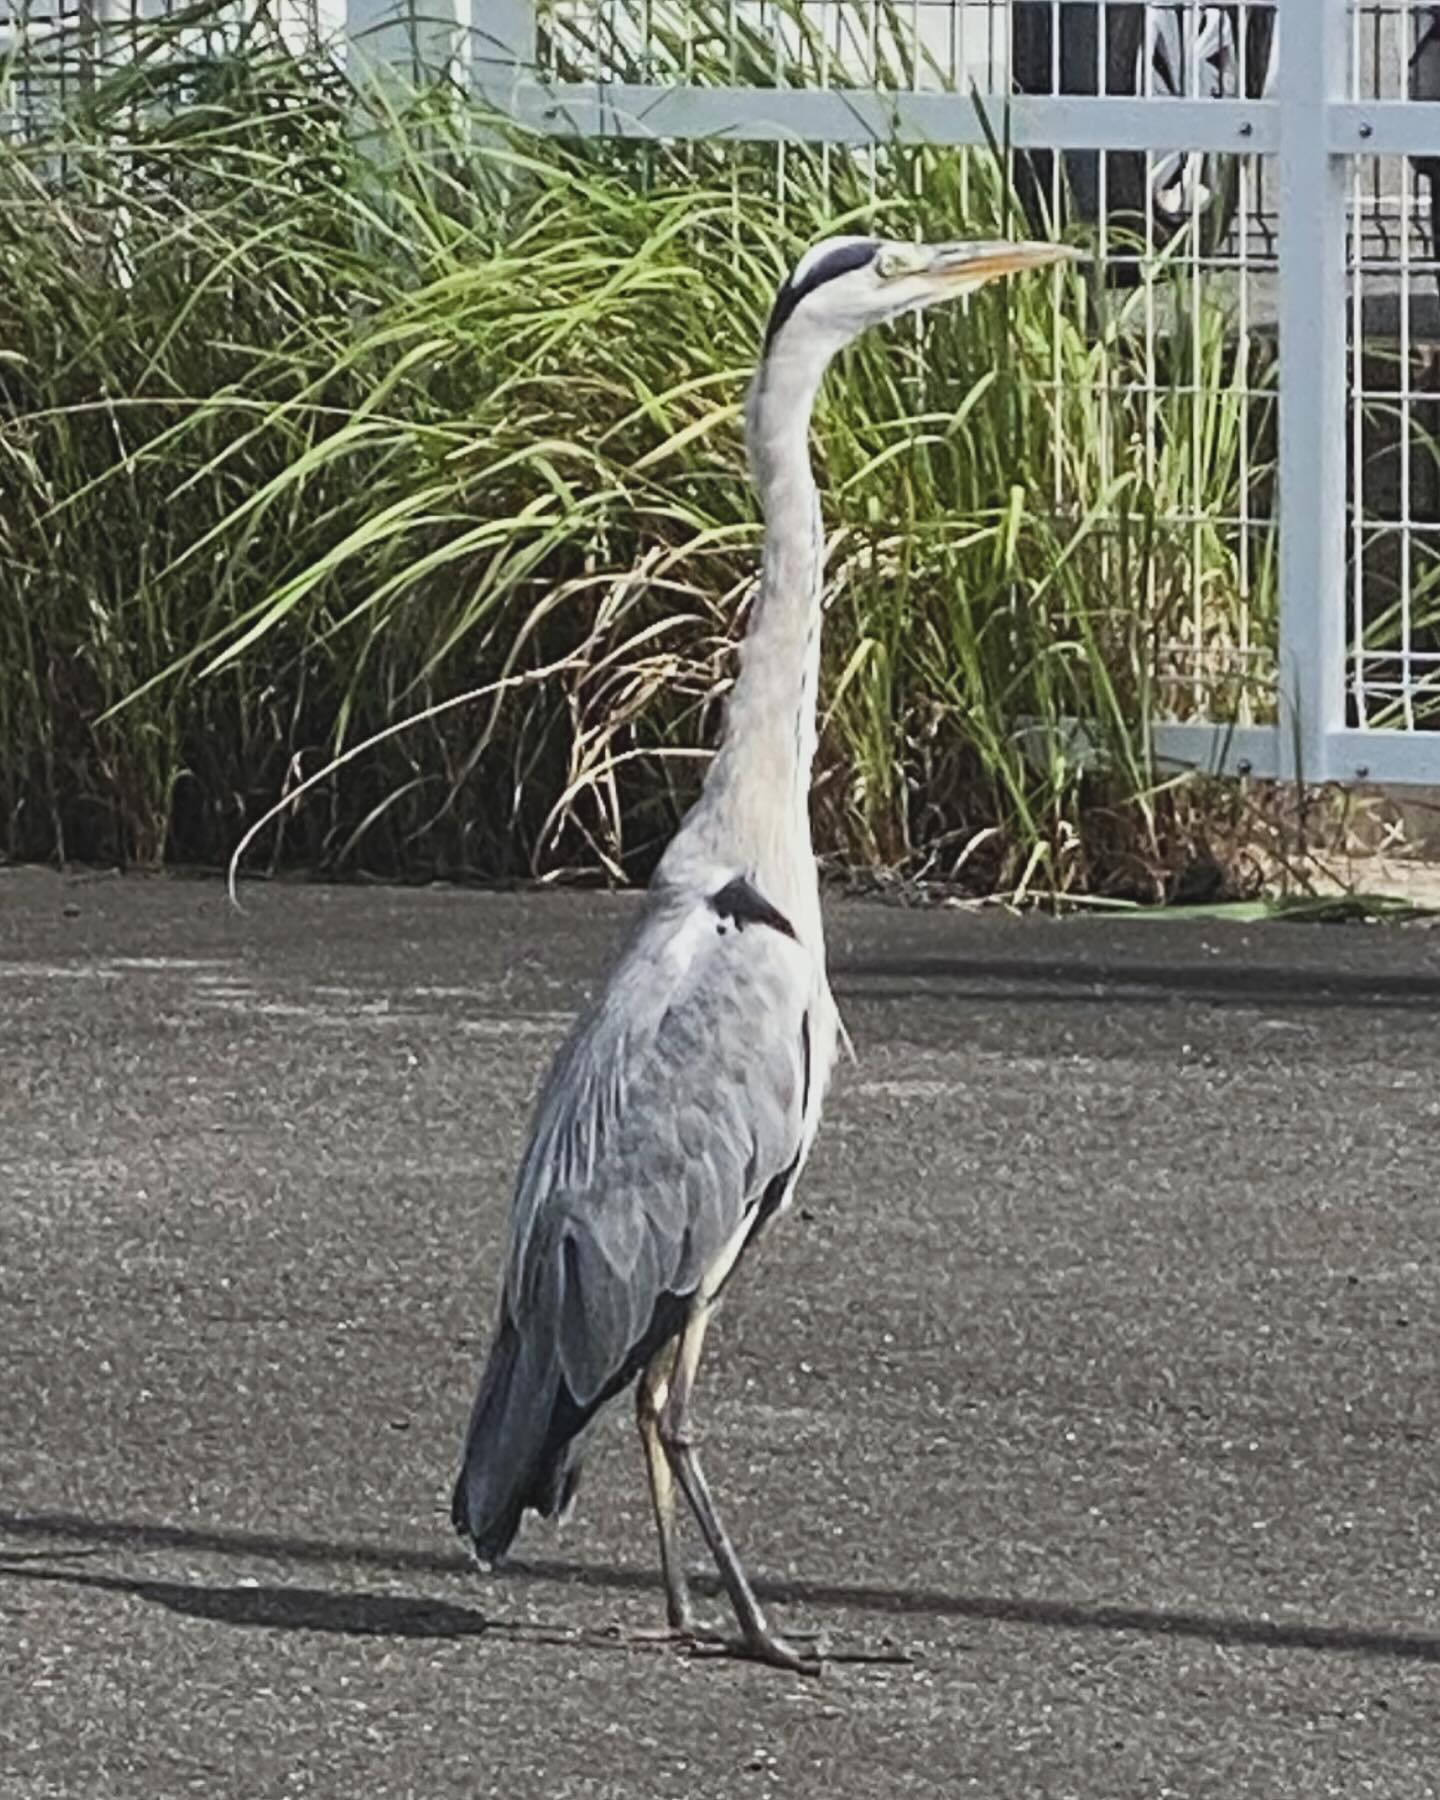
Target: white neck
754 810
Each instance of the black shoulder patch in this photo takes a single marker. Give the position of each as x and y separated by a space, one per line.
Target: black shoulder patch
835 262
740 901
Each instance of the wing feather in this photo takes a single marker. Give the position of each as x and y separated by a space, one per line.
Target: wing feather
675 1104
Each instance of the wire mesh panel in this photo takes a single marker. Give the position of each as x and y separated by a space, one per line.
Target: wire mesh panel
1260 376
1393 356
52 51
1160 469
1184 341
841 43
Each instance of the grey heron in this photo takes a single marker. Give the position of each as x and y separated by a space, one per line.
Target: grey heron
675 1121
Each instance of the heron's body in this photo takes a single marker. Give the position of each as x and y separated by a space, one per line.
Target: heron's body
671 1129
676 1120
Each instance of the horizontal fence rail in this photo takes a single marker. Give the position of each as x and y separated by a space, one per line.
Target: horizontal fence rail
846 116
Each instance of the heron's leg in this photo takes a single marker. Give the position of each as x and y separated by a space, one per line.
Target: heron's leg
650 1398
756 1637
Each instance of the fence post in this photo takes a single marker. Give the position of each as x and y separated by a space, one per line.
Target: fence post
503 49
1313 438
414 40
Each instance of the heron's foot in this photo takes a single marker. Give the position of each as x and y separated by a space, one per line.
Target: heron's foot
764 1647
682 1629
685 1633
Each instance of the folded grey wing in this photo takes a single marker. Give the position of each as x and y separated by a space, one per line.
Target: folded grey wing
665 1121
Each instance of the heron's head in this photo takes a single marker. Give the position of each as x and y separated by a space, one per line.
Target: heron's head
844 284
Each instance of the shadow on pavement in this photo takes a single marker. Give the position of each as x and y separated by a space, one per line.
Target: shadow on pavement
279 1608
1090 981
316 1609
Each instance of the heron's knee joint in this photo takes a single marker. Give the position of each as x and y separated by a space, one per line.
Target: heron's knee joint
677 1437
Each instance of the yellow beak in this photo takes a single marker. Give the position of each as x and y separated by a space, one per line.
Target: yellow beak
977 262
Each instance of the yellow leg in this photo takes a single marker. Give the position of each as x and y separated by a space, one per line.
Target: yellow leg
756 1637
650 1400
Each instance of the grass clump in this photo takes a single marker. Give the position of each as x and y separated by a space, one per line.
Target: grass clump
321 406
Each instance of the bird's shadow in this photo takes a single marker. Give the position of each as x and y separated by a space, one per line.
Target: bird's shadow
359 1614
350 1613
344 1614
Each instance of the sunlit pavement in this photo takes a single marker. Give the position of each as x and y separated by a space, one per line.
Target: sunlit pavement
1095 1372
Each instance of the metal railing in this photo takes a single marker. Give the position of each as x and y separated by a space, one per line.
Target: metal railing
1332 217
1297 127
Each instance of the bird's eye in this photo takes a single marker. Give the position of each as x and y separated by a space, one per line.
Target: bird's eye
900 259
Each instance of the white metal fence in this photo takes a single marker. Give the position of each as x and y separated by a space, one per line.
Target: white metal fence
1304 110
1276 155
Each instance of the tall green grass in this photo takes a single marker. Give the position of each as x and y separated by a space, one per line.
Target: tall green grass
319 407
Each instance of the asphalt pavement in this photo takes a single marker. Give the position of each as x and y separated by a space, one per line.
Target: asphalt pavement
1093 1378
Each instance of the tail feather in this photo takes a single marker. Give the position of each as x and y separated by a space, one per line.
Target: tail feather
528 1434
511 1459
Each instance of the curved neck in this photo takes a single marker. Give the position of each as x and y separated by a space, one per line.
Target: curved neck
754 809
